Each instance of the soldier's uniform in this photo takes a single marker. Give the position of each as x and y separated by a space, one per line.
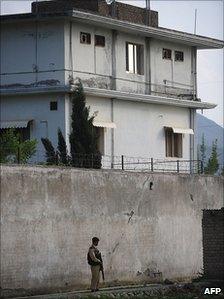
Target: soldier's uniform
95 263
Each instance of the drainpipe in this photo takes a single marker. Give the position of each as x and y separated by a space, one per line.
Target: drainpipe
192 139
112 134
35 66
193 111
70 50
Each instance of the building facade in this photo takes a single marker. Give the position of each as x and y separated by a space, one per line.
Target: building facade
140 79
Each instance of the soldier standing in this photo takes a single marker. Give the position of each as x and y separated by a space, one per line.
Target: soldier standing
95 261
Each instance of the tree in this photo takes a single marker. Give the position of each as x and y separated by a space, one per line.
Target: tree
212 165
83 137
13 150
51 154
203 151
62 149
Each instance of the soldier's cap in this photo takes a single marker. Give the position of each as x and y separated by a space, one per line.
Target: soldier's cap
95 239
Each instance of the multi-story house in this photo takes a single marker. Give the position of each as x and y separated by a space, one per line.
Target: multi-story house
140 79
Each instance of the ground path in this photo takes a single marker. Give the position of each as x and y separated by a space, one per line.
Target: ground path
136 291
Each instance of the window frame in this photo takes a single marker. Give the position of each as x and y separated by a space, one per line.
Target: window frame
181 53
52 107
88 38
137 56
166 50
173 144
99 44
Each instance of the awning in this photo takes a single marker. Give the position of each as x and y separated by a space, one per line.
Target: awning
14 124
181 130
104 124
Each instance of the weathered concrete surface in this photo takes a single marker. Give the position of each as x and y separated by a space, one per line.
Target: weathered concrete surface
49 215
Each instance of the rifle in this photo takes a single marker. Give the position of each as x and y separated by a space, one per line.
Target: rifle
101 266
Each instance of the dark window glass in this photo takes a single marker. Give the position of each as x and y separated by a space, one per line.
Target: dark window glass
179 56
85 38
100 40
53 106
167 54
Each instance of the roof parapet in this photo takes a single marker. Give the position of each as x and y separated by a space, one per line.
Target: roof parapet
117 10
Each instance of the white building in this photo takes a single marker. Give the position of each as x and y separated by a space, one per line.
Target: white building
141 79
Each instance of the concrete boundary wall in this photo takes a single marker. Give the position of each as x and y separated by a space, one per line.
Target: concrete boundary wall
49 215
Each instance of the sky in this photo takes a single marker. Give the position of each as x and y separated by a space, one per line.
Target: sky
180 15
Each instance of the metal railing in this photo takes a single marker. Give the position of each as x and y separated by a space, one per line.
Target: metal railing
122 162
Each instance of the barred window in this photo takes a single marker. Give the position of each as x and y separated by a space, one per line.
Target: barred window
85 38
179 56
167 54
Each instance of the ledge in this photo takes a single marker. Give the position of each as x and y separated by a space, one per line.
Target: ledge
105 93
144 98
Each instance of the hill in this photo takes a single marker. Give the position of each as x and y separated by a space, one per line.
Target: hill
211 131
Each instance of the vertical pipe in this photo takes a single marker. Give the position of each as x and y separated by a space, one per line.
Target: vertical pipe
148 16
195 21
112 134
36 44
113 60
122 162
70 49
152 164
147 66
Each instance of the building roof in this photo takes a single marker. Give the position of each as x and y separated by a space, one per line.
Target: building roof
201 42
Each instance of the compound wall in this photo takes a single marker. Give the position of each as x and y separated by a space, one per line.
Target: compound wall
49 215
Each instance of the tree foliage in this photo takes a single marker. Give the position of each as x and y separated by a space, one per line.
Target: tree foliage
203 150
83 137
50 153
213 164
62 149
13 150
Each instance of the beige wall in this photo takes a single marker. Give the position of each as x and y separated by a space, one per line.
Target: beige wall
140 127
49 215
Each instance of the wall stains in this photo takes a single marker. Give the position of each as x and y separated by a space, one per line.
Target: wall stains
49 82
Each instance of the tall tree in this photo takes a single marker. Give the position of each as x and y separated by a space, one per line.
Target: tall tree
83 137
203 151
51 154
213 164
62 149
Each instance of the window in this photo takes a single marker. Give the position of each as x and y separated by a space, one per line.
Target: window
100 140
179 56
167 54
53 106
99 40
173 143
135 58
85 38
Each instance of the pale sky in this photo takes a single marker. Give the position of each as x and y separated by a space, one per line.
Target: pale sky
180 15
